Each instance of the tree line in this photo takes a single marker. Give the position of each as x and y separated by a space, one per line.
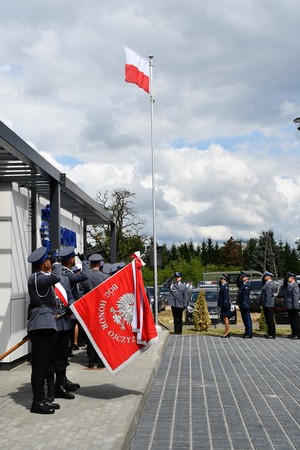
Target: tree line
190 258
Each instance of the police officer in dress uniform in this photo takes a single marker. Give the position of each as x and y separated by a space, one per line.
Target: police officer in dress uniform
243 301
267 302
67 256
96 277
224 303
291 302
177 300
59 364
42 325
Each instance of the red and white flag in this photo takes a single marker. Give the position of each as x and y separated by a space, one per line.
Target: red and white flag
117 318
137 69
61 293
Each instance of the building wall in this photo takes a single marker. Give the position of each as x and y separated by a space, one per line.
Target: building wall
15 246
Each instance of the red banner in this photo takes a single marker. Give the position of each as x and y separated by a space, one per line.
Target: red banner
117 317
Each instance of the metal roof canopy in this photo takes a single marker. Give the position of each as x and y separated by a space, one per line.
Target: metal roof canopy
21 164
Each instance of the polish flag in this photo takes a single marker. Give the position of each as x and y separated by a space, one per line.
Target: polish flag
117 317
137 69
61 293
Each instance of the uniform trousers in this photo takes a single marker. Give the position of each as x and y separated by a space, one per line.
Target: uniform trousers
59 361
177 317
43 343
269 316
246 318
294 321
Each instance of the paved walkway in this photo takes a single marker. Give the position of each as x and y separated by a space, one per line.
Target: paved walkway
214 393
208 393
103 415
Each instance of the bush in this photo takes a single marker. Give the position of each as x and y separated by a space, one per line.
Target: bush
201 317
262 321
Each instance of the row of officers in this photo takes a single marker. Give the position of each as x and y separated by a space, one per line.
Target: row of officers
290 292
178 302
49 320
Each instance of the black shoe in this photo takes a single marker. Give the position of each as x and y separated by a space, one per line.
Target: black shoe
295 337
51 404
71 387
100 365
91 365
40 407
270 336
226 335
75 347
61 392
248 336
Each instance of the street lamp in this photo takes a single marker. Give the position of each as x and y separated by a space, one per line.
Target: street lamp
297 123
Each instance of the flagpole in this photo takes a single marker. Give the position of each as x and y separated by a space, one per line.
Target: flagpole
152 100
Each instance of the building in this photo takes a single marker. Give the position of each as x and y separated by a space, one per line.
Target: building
39 206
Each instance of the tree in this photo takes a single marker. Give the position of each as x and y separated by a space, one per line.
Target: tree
127 222
201 317
232 253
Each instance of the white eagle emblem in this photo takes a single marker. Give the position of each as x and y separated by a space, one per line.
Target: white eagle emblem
124 313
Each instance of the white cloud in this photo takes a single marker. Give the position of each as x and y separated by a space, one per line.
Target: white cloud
226 87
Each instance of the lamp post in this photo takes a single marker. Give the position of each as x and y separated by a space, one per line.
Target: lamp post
297 123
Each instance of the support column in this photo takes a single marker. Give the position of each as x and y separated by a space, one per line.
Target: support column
54 214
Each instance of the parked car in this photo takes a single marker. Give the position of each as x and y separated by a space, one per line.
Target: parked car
211 297
280 312
164 294
256 287
161 305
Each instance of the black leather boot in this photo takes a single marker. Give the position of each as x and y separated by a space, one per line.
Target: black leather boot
61 392
39 406
69 386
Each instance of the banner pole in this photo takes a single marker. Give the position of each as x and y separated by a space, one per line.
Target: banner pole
152 100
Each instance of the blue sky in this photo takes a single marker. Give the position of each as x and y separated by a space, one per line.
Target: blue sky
226 81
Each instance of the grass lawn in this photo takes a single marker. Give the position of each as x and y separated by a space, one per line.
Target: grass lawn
165 318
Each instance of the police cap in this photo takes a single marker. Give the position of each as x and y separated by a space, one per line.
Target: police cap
67 252
177 274
267 274
245 274
106 268
289 274
224 277
96 257
38 256
117 266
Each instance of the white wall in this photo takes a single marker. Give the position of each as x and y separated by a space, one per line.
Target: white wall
15 246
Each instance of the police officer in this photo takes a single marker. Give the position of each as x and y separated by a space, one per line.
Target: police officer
267 302
291 302
96 277
61 352
224 303
243 301
42 328
177 300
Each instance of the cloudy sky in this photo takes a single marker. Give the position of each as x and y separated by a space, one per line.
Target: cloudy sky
227 89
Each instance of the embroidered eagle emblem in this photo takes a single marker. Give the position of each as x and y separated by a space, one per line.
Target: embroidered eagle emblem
124 313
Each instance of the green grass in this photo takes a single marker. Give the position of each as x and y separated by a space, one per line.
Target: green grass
166 318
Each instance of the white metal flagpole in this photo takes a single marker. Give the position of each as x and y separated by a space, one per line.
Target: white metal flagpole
152 100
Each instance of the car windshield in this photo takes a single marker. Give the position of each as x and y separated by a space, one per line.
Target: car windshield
164 290
210 296
256 285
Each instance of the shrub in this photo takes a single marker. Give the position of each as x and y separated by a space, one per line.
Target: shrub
201 315
262 321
